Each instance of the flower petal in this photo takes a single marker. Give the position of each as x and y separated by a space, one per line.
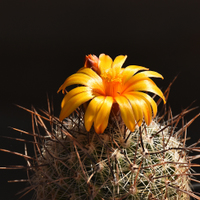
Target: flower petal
147 110
136 107
83 79
146 85
72 93
101 119
92 110
105 62
119 61
99 86
77 78
130 71
149 100
126 112
74 102
140 105
141 76
90 73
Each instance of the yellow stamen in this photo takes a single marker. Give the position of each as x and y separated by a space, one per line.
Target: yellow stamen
112 80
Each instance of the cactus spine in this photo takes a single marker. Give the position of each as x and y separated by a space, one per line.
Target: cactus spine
110 148
150 163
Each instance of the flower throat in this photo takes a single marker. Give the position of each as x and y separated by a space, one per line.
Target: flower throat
112 79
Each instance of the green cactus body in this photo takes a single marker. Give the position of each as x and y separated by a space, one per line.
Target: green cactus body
149 163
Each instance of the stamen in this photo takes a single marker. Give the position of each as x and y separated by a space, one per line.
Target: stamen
111 75
112 79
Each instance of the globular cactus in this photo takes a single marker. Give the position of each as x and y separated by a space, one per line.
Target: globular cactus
150 163
129 153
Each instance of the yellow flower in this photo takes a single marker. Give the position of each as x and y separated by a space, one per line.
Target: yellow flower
104 84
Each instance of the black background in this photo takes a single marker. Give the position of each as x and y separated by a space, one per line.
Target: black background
43 42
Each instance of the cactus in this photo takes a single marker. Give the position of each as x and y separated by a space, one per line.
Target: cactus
150 163
118 158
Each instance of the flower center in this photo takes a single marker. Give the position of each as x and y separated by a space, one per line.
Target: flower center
112 79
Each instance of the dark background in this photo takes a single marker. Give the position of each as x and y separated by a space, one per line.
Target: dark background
43 42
